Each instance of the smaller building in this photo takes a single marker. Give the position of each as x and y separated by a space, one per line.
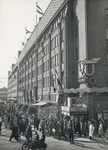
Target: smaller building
3 94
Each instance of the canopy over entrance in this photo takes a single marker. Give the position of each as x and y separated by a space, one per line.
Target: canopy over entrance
88 90
43 103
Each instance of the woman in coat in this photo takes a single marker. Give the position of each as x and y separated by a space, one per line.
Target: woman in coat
100 130
28 132
91 130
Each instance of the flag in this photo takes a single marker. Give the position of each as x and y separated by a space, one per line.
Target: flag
23 43
53 83
27 31
59 83
58 80
39 10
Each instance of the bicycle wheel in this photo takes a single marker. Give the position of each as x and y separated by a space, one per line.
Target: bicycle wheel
25 146
101 142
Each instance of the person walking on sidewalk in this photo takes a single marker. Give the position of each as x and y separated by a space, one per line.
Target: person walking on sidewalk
28 132
100 130
0 125
14 133
91 130
71 132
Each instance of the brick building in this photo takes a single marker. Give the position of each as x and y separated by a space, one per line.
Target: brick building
70 43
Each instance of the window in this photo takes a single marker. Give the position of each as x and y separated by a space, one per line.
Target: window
40 69
46 82
26 67
47 65
56 60
47 48
52 62
32 73
29 65
56 41
39 56
62 56
62 35
39 83
52 44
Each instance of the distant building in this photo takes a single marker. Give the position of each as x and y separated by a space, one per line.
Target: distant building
3 94
12 83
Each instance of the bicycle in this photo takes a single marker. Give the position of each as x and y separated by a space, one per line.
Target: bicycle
102 142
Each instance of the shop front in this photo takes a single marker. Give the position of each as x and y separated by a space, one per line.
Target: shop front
79 112
47 108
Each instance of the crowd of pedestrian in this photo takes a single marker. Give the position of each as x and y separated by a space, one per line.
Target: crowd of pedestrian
20 124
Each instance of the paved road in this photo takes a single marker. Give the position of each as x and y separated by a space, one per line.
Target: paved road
53 143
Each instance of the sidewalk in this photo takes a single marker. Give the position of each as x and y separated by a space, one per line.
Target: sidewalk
86 139
76 136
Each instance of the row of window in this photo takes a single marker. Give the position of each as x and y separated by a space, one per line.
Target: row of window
30 64
55 42
46 66
46 82
40 85
46 49
55 61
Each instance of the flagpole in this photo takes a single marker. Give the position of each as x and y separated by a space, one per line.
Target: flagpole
25 35
36 13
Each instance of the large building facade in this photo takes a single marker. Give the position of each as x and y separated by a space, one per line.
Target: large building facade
66 55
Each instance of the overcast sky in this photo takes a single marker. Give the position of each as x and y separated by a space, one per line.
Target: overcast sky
15 15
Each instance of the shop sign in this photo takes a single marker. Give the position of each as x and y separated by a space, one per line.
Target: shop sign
64 108
80 109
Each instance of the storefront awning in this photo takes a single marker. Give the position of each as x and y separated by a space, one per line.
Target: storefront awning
42 103
88 90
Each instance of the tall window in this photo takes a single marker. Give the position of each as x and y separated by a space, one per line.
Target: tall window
62 56
62 35
56 60
46 82
40 69
52 62
56 40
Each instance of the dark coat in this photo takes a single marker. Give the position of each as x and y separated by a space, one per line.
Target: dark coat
14 131
28 132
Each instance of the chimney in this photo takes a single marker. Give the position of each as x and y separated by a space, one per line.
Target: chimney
19 52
